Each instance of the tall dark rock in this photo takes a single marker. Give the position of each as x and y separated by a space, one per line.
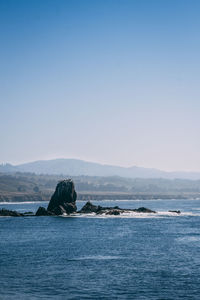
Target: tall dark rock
63 199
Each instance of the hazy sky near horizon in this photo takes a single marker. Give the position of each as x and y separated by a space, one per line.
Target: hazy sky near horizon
113 82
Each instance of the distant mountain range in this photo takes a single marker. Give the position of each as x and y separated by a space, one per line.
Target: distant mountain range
75 167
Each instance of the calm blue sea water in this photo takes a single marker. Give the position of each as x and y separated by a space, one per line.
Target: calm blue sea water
130 257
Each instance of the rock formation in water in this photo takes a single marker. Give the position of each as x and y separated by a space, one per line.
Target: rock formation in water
64 198
63 201
175 211
90 208
43 212
12 213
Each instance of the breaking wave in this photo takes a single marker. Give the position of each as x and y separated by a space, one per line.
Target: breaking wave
159 214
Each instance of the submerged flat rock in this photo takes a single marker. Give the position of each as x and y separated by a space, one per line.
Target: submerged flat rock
12 213
175 211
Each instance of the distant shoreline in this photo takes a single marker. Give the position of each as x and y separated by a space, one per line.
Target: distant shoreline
93 196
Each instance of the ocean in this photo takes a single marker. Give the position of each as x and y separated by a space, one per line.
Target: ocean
135 256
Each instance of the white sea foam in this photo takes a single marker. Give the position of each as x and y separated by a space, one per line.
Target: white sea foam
188 239
96 257
132 214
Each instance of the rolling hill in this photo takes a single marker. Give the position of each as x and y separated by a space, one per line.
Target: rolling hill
75 167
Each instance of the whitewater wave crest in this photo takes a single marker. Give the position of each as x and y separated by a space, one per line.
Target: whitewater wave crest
159 214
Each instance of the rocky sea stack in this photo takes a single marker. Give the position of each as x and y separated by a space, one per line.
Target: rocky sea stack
63 201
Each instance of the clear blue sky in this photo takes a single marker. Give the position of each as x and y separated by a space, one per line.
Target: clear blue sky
114 82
